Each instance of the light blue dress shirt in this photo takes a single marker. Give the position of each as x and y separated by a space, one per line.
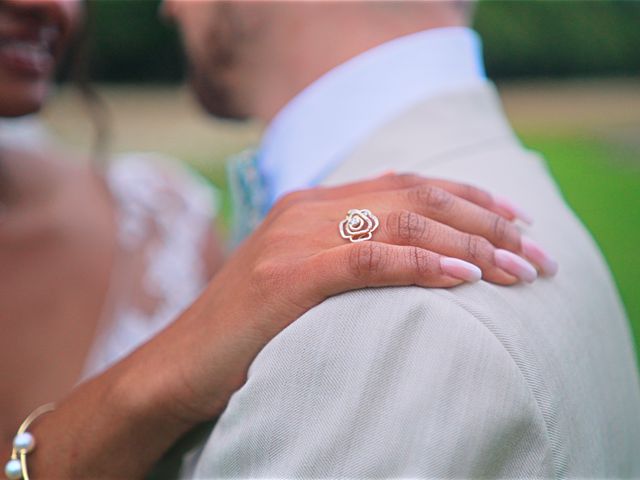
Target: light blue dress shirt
319 127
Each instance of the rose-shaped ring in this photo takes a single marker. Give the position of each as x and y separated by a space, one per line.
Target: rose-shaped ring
358 225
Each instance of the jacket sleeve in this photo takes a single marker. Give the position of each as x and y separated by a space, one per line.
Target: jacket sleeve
395 382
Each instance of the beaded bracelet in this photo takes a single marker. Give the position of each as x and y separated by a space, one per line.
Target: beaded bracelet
24 443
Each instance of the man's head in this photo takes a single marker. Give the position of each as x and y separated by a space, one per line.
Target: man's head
249 58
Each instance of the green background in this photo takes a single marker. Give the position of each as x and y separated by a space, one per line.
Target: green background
521 38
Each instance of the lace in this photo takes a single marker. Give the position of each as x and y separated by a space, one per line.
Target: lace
164 214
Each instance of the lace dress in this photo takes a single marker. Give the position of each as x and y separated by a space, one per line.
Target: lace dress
164 215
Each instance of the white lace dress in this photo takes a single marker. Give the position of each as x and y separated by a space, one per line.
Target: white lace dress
165 214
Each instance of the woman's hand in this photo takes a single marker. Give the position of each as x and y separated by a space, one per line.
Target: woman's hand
422 222
432 233
297 259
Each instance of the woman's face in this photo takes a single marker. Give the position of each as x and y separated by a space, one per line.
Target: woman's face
34 35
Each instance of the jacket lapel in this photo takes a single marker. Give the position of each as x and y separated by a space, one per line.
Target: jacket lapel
430 133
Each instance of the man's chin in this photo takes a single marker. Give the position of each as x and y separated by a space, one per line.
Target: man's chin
216 101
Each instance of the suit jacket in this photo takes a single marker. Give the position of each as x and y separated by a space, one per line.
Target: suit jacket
477 381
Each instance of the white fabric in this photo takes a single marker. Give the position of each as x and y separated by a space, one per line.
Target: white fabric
25 133
480 381
165 212
311 135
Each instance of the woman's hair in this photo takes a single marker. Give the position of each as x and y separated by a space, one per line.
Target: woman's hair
77 68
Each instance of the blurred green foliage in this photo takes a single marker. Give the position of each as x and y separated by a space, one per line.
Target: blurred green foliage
560 38
522 38
131 42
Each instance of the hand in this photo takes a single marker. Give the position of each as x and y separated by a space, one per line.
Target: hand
445 218
296 259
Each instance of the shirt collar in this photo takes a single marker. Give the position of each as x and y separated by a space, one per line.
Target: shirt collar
310 136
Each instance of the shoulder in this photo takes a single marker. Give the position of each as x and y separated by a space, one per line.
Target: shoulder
386 373
401 322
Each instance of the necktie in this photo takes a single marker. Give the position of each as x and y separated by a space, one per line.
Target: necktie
249 194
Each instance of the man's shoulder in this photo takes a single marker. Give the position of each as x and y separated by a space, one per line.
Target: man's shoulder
387 373
389 307
410 322
379 310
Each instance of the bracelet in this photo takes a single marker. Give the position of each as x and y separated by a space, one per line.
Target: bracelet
24 443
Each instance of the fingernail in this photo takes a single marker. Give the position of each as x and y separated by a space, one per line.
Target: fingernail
387 173
515 210
456 268
537 255
515 265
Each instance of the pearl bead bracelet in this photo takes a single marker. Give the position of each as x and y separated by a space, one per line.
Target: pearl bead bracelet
24 443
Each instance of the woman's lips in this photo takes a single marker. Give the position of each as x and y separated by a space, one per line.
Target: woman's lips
26 57
28 49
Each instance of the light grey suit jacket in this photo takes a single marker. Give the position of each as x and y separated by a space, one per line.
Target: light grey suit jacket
477 381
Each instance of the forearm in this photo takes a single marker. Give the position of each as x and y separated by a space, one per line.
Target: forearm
100 431
119 424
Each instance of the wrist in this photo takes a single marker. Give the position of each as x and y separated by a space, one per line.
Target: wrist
98 432
203 357
142 389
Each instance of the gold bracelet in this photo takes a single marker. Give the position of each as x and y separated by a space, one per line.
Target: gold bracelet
24 443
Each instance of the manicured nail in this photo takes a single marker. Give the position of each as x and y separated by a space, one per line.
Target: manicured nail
456 268
506 204
515 265
537 255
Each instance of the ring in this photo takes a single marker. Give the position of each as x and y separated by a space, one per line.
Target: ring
358 225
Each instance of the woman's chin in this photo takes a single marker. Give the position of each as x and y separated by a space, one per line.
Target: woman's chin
19 102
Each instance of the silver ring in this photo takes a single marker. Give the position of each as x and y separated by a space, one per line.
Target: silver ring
358 225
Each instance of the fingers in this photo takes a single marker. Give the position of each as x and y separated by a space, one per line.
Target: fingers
534 252
478 196
498 266
492 242
496 204
440 205
468 217
375 264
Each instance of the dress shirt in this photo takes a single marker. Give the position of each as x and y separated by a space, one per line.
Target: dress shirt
311 135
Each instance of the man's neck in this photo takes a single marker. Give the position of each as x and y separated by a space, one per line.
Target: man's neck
314 131
278 86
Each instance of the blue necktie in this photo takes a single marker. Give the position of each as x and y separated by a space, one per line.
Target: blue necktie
249 194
